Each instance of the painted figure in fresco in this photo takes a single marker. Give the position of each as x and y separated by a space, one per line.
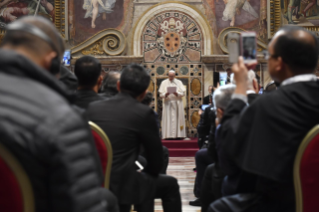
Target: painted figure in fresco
233 6
310 4
293 7
95 7
10 10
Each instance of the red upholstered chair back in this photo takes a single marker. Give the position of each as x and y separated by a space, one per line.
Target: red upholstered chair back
104 148
306 173
16 194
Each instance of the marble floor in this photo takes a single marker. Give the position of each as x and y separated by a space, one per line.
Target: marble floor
182 169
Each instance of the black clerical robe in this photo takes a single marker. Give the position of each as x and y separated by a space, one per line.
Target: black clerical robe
263 138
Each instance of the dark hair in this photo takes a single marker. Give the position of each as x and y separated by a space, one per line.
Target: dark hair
147 99
134 80
301 55
110 82
87 69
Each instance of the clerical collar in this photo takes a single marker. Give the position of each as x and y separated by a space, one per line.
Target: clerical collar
299 78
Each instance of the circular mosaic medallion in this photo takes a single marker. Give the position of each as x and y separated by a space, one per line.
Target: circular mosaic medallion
160 70
184 70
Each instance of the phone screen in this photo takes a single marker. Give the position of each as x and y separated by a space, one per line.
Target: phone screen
249 50
261 91
204 107
67 58
222 78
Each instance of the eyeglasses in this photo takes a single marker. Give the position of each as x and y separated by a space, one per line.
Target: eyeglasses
267 56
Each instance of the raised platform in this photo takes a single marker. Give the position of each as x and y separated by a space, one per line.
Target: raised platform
181 148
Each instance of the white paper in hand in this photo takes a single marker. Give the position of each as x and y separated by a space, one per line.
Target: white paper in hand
171 90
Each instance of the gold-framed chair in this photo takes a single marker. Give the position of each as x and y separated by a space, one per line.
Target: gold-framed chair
16 193
306 172
104 148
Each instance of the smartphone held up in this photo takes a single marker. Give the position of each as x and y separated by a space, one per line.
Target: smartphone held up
243 44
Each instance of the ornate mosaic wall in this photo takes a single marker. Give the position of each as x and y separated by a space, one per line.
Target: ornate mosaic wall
192 77
172 37
173 40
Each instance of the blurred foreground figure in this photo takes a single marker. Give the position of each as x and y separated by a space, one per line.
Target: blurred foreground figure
50 139
263 138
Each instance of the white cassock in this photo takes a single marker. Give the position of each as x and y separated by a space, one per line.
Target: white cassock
173 120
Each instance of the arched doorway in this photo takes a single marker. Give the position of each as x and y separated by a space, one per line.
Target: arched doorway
175 36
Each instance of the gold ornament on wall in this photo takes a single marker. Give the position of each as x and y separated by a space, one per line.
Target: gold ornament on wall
107 42
95 50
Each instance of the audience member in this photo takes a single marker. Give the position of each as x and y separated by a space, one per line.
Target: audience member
68 79
252 85
208 99
129 125
87 69
202 157
262 139
51 140
270 87
109 87
213 176
203 126
236 180
147 101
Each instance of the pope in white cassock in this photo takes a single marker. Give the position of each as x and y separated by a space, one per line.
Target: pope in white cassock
173 120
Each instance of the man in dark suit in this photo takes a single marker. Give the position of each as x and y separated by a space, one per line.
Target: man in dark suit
209 97
109 85
129 124
263 138
68 79
88 71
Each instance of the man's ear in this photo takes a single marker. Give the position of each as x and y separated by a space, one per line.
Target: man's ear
220 112
100 80
141 96
280 64
47 60
118 86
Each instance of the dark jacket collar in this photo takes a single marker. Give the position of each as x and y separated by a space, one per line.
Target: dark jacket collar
16 64
86 92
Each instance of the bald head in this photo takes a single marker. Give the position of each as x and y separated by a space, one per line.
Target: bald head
18 38
297 47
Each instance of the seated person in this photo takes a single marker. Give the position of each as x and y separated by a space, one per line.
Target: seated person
68 79
51 140
203 157
270 87
213 177
87 69
203 126
129 125
109 85
235 179
147 101
208 99
263 138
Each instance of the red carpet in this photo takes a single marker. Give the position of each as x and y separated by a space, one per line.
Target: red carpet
181 148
